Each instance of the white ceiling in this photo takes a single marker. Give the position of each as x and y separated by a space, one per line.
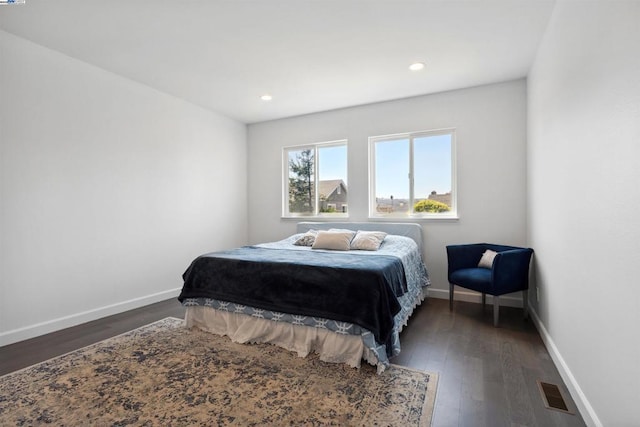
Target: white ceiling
311 55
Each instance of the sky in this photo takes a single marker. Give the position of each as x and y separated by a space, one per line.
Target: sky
432 166
333 163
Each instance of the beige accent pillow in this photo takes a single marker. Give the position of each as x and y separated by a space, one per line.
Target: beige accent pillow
334 240
368 240
343 230
307 238
487 259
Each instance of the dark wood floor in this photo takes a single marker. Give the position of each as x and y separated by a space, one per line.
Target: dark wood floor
487 375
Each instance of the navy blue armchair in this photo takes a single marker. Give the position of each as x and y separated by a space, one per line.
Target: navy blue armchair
509 272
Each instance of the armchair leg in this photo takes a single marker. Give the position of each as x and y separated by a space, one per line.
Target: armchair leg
525 303
450 296
496 310
484 300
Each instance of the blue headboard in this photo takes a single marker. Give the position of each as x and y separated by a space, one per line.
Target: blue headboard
408 229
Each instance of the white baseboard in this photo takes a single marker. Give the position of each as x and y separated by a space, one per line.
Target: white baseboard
586 410
49 326
470 296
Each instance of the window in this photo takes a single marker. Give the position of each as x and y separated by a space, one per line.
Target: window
413 175
315 180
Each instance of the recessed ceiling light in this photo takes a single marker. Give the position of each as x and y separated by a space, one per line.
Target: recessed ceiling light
416 66
266 97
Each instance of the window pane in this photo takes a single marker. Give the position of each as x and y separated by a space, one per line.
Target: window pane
392 176
413 174
332 179
432 174
301 180
315 179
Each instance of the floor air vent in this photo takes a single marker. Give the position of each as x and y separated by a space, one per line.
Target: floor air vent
553 398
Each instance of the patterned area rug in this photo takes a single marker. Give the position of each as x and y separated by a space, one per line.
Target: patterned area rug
164 374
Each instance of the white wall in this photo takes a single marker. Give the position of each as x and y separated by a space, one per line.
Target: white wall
108 190
584 202
491 132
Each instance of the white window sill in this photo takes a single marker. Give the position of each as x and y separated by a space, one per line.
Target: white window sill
331 217
414 218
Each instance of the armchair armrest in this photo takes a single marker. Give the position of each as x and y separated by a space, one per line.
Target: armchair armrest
511 270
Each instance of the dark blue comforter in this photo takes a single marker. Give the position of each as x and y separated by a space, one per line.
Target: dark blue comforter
341 286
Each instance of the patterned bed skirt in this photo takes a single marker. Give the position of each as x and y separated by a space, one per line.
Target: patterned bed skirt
336 342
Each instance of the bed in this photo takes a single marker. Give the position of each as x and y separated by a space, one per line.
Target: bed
345 305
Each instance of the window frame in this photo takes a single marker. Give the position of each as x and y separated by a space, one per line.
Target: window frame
411 136
285 180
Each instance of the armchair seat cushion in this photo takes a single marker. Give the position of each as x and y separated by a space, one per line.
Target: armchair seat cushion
477 279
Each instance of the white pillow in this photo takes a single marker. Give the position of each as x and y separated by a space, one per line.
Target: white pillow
307 238
334 240
487 259
368 240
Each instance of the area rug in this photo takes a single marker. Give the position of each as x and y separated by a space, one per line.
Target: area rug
164 374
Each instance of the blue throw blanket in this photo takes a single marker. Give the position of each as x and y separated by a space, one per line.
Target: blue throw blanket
341 286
